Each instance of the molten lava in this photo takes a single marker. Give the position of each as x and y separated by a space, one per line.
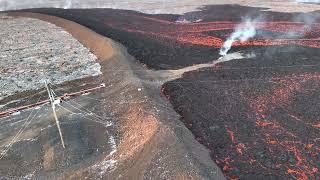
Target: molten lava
197 33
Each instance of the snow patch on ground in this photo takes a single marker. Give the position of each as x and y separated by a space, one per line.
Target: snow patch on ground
29 176
113 144
108 164
104 166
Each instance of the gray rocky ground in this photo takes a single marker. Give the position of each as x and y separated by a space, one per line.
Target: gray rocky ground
32 51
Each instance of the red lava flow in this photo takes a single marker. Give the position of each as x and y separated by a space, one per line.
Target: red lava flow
196 33
273 133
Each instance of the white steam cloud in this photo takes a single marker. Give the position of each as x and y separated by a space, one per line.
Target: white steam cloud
308 1
243 32
68 4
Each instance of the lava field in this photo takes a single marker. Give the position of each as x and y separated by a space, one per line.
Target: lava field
258 116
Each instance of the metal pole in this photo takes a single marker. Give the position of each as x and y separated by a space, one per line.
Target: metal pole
52 99
58 124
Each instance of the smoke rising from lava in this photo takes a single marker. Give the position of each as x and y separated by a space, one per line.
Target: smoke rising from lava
308 1
308 21
248 29
68 4
243 32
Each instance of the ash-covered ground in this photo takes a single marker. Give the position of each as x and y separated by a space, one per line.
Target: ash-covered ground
34 51
38 151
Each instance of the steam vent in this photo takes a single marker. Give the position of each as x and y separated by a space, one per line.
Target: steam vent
160 89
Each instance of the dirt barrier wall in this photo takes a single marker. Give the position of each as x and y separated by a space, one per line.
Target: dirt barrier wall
153 142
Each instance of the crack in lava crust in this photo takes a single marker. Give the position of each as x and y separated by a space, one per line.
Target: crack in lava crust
278 134
260 133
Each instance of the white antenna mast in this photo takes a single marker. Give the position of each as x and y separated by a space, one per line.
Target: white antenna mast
53 102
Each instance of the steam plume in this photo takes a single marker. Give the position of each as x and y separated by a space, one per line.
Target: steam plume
308 1
243 32
67 4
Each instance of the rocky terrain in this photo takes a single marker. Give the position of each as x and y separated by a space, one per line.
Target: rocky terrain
34 51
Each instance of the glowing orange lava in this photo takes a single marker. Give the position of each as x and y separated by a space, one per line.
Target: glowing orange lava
197 33
281 97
